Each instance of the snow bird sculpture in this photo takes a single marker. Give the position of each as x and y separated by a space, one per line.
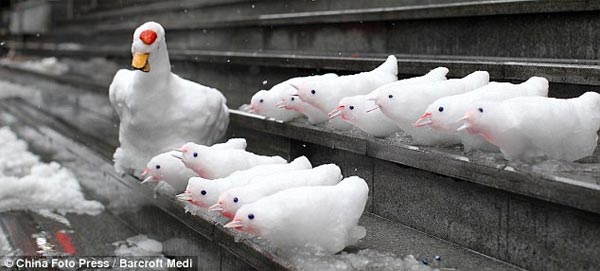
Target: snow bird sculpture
204 192
213 163
231 200
310 216
526 128
168 167
158 109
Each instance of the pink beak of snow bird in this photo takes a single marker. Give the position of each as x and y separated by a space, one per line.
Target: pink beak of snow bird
185 196
425 119
234 224
468 122
336 112
146 171
466 125
280 104
217 207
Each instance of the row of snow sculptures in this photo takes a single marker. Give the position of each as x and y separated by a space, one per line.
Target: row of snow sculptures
160 112
266 195
436 111
158 109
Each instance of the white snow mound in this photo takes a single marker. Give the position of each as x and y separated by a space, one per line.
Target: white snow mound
28 184
139 245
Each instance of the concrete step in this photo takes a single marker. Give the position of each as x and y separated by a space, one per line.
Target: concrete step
85 7
211 14
240 74
115 10
538 28
383 235
538 217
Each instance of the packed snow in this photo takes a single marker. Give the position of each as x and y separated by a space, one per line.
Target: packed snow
28 184
363 260
5 247
139 245
49 65
11 90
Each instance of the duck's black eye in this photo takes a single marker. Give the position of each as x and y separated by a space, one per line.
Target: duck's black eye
293 99
235 199
250 216
390 96
351 107
203 192
480 110
157 166
441 109
261 100
313 91
195 154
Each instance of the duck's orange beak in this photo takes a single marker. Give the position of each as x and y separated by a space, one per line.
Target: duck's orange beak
140 62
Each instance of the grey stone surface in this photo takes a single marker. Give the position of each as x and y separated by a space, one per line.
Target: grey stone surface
230 262
526 232
553 238
388 236
453 210
228 62
537 29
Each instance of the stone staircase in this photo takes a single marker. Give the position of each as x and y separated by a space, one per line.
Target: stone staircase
477 211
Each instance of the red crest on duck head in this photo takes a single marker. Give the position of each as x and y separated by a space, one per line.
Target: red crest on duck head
148 36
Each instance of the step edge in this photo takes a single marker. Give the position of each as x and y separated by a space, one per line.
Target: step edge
397 13
500 68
